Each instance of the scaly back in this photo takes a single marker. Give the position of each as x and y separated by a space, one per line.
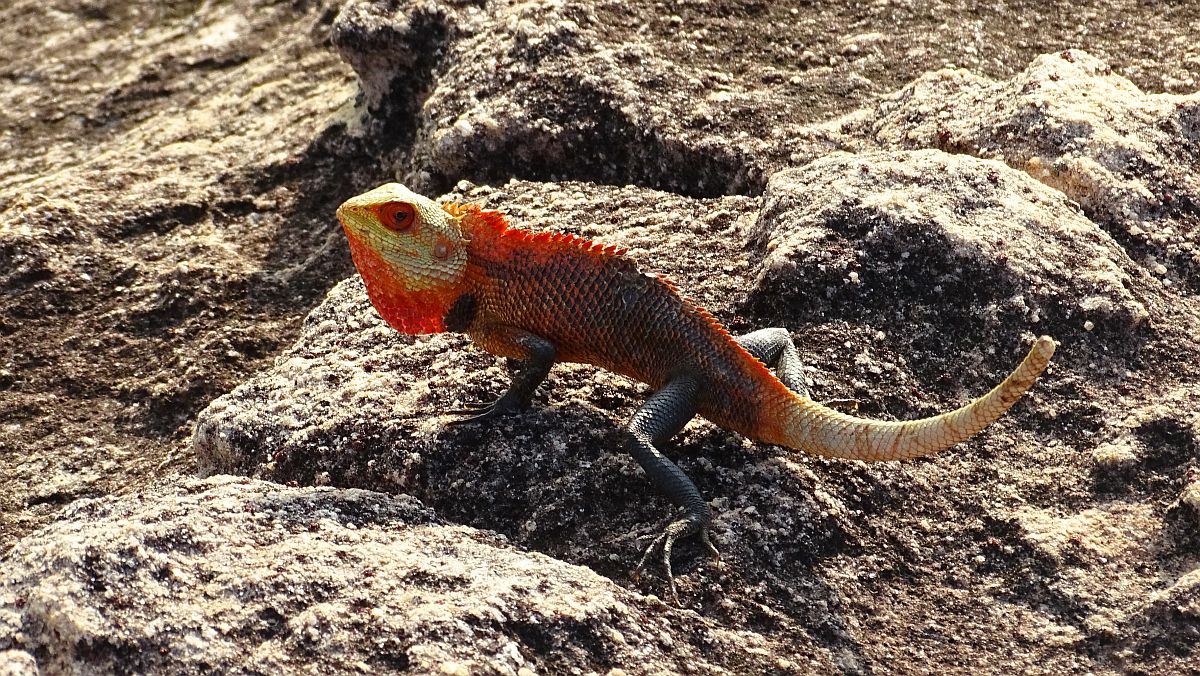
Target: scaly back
598 308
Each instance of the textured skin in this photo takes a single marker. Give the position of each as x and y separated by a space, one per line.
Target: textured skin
839 435
613 316
595 307
546 297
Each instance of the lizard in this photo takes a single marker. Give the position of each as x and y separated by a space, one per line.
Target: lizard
543 297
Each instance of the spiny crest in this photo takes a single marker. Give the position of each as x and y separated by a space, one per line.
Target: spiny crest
564 240
493 224
474 218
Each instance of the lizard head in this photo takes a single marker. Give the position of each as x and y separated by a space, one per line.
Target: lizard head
410 252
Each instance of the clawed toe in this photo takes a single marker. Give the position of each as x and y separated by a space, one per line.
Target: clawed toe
712 549
665 542
473 413
469 418
474 408
470 415
484 410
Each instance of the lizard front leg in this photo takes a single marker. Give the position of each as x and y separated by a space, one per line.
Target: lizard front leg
661 417
534 354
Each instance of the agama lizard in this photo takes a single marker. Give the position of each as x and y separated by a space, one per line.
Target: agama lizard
544 297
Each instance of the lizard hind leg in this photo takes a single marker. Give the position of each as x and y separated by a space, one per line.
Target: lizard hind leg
660 418
774 347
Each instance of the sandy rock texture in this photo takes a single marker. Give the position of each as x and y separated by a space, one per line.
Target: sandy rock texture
993 248
1126 157
157 240
547 89
187 577
915 190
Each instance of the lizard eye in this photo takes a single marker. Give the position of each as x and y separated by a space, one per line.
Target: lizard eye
397 216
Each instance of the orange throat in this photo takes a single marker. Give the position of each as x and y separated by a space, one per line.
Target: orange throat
407 311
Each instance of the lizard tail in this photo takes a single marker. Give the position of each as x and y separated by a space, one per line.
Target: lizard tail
813 428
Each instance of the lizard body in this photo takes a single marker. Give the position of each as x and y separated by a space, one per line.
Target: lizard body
545 297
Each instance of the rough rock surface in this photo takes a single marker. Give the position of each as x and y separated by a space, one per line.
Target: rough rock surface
168 174
976 245
1128 158
546 89
233 576
159 228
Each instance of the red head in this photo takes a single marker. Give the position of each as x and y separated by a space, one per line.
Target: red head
411 254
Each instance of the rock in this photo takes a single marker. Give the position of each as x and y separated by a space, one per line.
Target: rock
232 575
1127 157
17 663
542 90
940 247
158 168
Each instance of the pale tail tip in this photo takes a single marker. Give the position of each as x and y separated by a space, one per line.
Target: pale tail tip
1044 346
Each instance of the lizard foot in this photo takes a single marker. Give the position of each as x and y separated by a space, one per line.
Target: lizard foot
666 541
484 410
